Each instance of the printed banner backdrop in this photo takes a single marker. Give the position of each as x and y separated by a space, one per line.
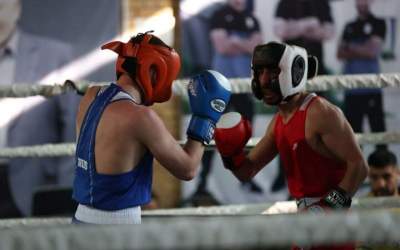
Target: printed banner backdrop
52 41
85 25
197 52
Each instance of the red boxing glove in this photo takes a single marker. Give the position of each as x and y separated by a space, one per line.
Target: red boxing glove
231 135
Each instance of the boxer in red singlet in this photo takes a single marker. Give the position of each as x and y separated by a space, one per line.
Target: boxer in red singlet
323 163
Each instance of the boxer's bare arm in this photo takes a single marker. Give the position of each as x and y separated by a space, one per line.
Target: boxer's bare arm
181 162
83 106
262 154
336 134
148 129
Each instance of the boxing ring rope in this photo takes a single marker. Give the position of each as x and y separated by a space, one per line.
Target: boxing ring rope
239 85
213 228
358 204
216 232
269 208
68 149
372 221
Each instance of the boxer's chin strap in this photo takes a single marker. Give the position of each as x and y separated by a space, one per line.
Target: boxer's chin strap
234 162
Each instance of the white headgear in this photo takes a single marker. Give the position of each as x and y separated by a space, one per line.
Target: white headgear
294 64
294 67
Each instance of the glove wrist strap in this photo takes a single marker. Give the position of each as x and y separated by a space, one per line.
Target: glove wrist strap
338 198
201 129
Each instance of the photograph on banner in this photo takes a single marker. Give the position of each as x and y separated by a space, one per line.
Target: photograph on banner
47 42
204 23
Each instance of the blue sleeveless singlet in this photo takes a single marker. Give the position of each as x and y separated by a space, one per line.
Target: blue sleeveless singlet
102 191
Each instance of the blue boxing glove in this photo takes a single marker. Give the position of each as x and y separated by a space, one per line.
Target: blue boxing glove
209 93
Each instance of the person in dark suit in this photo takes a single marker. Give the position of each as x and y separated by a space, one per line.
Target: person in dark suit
28 58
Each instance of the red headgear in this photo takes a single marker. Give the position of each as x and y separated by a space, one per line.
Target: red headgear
141 53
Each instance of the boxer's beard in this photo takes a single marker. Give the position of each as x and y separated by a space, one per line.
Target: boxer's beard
274 87
275 102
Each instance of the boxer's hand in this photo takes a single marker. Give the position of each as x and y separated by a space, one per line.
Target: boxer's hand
231 136
337 198
209 93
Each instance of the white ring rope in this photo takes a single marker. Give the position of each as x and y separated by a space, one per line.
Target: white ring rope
44 150
239 85
26 89
358 204
173 229
68 149
213 232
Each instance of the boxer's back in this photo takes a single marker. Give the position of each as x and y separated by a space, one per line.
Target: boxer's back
116 149
106 177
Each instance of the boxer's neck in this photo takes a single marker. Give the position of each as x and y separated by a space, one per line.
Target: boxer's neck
288 108
131 87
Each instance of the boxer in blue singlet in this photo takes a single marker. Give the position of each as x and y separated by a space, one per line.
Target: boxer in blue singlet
119 134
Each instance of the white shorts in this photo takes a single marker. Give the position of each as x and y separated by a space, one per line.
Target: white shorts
91 215
306 202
